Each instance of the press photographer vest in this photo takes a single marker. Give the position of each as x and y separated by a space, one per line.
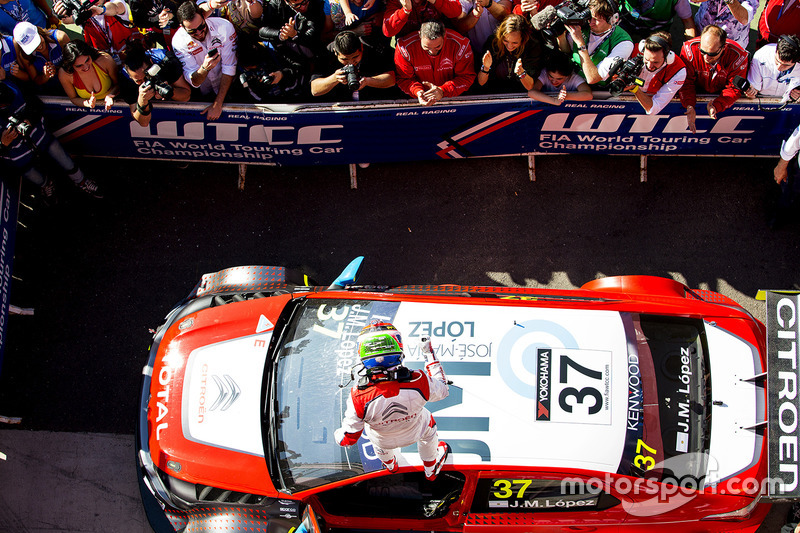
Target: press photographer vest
618 35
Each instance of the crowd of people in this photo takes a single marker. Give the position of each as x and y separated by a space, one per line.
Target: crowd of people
288 51
291 51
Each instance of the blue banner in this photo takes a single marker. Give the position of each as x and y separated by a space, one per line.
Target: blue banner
9 204
403 131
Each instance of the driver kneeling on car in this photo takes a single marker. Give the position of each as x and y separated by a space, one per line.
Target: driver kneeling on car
390 400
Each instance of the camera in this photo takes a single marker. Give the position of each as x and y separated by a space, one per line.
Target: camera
152 80
626 72
553 21
19 124
259 77
79 11
353 77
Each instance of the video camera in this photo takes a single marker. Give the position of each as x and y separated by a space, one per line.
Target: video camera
154 81
553 21
79 11
19 124
353 77
624 72
258 77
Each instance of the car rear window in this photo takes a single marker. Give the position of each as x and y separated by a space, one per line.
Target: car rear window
668 416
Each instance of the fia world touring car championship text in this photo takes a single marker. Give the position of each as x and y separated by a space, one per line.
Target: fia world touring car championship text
623 143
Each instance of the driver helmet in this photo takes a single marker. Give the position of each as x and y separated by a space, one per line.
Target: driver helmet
380 346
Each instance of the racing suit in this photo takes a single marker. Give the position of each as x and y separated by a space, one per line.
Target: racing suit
700 77
452 69
395 414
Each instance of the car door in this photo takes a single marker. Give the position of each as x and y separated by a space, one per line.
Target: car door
543 503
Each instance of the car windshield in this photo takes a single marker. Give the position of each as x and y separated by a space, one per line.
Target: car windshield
311 382
668 416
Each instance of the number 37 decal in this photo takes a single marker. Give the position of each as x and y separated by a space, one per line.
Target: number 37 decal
574 385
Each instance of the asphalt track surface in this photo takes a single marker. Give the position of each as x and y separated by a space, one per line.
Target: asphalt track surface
100 273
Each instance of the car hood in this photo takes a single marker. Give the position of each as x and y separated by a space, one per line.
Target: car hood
205 396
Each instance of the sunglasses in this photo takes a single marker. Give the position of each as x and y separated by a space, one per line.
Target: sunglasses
711 54
201 27
301 3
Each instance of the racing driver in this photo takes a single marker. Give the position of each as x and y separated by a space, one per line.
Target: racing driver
390 399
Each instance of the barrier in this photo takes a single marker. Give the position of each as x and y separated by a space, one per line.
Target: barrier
391 131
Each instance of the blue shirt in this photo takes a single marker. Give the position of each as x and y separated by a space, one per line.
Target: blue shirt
20 11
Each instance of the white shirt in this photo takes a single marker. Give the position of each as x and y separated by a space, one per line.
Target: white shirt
791 146
667 91
220 35
765 77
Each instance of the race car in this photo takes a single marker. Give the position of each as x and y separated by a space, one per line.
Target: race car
630 404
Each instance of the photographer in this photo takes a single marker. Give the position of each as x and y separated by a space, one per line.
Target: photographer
357 71
593 49
712 64
265 75
774 71
141 82
661 75
645 17
293 24
157 17
105 27
25 141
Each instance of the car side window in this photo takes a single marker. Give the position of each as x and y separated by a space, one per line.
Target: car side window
521 495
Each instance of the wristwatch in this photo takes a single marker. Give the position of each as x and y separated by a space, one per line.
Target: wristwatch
581 47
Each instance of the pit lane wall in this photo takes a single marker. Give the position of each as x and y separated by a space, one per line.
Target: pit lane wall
312 134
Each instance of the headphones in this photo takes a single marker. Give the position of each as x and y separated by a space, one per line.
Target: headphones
793 42
613 19
669 55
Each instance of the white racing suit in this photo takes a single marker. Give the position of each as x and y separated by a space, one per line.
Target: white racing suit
395 413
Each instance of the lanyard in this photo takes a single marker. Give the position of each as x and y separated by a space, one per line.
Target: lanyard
18 10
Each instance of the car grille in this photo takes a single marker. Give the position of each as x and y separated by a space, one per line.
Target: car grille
206 493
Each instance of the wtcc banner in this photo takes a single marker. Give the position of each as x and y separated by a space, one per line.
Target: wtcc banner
402 131
9 200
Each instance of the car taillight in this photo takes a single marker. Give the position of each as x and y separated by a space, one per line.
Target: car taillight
738 515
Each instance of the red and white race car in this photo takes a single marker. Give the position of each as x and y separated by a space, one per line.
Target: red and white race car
631 404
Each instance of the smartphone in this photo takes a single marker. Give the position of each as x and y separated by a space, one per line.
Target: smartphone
213 52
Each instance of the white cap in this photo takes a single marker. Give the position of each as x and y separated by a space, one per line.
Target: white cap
27 37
